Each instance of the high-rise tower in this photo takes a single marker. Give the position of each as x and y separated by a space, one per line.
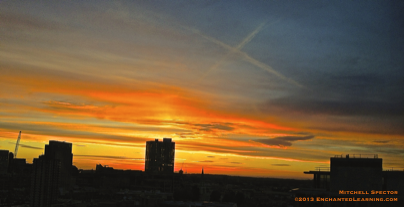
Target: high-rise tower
44 181
160 156
61 151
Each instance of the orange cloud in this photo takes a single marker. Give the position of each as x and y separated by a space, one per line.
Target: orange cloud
115 112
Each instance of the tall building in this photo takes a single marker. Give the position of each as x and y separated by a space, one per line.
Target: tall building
3 161
160 156
44 181
356 173
61 151
359 177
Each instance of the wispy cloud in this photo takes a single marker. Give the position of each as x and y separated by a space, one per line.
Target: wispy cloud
210 127
284 141
28 22
186 135
382 141
109 157
30 147
27 146
280 165
206 161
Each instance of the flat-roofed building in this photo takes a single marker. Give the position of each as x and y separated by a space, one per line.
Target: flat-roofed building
394 180
160 156
356 173
358 176
61 151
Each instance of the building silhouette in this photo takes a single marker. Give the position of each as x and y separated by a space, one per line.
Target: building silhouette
160 156
9 164
4 161
17 165
355 173
51 172
61 151
358 173
44 181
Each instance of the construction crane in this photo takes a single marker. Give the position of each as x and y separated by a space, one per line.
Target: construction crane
16 145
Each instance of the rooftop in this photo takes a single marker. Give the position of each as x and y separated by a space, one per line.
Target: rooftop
360 156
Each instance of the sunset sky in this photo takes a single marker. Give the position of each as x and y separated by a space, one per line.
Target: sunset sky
250 88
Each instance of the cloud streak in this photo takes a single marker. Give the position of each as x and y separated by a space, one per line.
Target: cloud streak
284 141
281 165
28 146
108 157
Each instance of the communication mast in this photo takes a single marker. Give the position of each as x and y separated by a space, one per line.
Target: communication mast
16 145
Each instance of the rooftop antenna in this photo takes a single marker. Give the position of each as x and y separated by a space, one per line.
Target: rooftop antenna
16 145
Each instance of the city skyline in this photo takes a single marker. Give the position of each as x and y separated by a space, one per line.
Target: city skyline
43 183
265 89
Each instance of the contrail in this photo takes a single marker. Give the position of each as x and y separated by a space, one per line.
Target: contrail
269 69
249 37
237 50
208 37
232 51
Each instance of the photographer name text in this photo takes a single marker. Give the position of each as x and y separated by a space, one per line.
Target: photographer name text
374 192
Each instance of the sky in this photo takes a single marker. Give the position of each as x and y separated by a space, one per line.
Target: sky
247 88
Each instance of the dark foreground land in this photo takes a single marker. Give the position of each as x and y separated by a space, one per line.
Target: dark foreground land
109 187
